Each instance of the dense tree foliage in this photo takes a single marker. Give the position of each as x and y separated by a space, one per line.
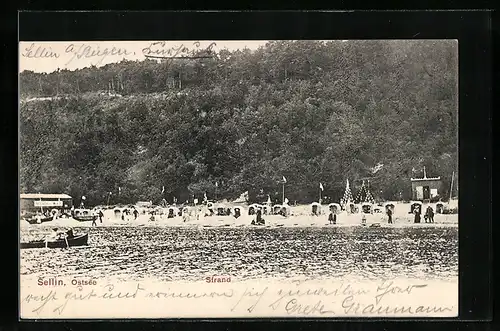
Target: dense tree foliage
310 111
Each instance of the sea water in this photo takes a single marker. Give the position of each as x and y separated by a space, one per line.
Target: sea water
192 254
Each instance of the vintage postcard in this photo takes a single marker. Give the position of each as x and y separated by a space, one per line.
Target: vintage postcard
238 179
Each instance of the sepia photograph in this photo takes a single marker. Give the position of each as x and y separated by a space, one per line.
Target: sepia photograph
238 179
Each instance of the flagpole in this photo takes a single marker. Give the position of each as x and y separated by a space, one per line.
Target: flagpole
283 195
451 186
319 195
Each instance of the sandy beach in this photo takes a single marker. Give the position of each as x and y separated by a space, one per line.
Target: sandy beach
300 217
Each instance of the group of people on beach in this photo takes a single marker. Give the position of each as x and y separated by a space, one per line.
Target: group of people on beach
428 216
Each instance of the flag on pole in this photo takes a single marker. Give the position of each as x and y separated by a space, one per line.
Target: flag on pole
321 186
162 189
269 199
119 190
284 179
216 184
205 197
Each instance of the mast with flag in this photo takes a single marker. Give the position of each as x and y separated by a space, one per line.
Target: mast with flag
283 191
321 188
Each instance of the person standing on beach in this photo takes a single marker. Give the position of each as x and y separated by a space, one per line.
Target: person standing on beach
430 214
258 218
136 213
389 215
332 218
93 221
417 215
363 219
185 216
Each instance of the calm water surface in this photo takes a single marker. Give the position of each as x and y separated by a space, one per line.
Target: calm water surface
192 254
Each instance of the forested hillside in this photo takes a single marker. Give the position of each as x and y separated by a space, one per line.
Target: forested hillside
310 111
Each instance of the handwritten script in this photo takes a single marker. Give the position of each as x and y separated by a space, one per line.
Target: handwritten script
97 53
300 299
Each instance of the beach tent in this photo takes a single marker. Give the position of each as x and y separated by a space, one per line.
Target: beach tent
439 208
281 210
315 208
347 198
237 211
210 209
172 212
414 205
252 209
389 205
285 210
258 206
83 212
335 208
266 209
366 208
222 210
352 208
277 209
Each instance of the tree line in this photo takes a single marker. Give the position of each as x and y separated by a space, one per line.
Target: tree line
314 112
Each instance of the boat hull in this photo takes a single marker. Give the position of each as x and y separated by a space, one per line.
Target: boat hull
34 221
80 240
85 218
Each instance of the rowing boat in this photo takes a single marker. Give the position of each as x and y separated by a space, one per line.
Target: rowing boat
84 215
85 218
33 220
80 240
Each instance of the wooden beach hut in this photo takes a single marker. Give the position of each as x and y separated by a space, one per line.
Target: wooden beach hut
253 208
414 205
237 211
315 209
283 210
351 208
222 210
172 212
335 208
389 205
439 208
366 208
